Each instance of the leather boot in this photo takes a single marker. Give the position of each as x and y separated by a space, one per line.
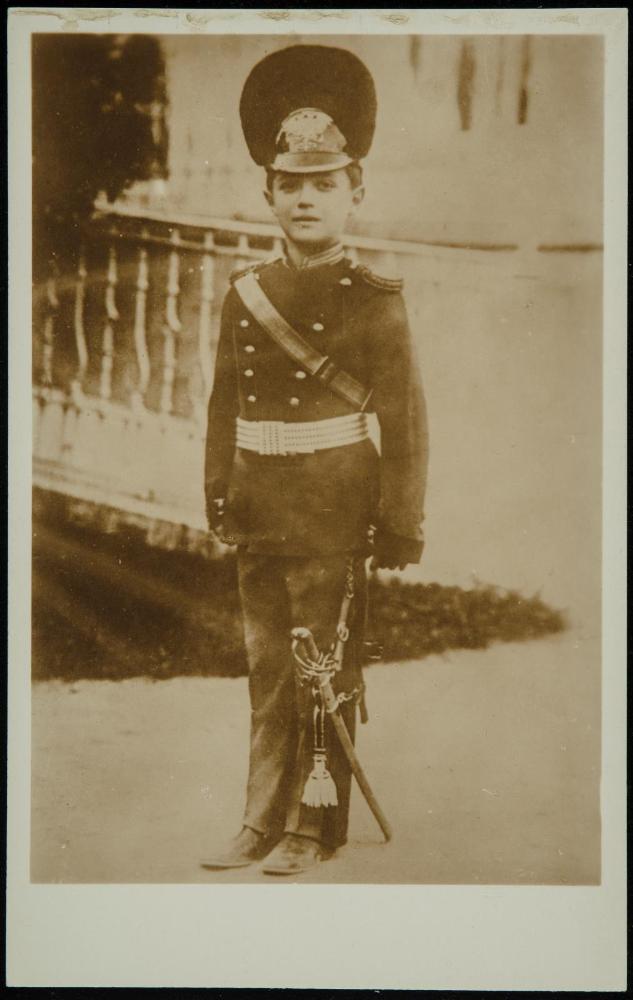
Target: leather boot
294 854
243 850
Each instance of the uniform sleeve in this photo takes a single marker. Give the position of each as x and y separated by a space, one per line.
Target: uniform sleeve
401 410
222 411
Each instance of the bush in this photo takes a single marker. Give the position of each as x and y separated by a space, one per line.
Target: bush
109 606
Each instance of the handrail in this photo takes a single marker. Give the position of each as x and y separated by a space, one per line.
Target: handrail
269 230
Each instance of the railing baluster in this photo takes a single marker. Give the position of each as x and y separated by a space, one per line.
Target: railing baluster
76 387
171 327
389 265
243 251
140 341
352 253
205 352
52 305
112 316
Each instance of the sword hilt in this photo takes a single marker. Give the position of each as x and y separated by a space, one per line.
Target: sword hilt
304 636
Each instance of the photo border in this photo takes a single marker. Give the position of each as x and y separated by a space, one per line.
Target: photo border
411 937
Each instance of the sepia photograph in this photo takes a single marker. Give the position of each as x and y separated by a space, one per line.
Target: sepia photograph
316 527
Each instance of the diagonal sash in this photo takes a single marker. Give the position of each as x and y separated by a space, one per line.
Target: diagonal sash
286 337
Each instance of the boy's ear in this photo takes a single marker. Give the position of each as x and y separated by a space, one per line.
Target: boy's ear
357 196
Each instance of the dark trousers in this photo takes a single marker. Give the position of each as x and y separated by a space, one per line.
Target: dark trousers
279 593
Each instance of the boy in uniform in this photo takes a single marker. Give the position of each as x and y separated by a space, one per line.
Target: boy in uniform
309 345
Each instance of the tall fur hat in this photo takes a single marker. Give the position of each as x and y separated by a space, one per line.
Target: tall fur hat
308 108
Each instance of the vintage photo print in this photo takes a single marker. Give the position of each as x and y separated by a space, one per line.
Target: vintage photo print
316 481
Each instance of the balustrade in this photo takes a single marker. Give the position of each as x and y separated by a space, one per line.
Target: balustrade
125 344
134 443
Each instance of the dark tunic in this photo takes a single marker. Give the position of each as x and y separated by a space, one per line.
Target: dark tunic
324 502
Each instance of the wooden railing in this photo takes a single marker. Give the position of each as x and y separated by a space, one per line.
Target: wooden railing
124 350
124 346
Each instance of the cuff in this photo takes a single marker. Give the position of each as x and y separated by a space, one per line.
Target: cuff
398 548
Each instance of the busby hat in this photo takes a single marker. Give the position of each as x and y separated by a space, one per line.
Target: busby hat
308 108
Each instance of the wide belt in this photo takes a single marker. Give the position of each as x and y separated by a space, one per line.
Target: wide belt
275 437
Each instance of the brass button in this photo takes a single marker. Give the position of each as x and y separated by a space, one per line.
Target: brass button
244 323
249 373
249 348
294 401
345 281
318 327
251 399
300 374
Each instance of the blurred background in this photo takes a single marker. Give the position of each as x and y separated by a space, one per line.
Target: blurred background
484 191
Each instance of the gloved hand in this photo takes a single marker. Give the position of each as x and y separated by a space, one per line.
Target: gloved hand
390 551
215 520
215 512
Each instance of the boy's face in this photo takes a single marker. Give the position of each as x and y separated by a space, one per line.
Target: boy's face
312 209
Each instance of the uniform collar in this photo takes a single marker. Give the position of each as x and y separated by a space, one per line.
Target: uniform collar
333 255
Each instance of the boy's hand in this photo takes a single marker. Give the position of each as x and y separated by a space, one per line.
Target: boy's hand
215 520
390 551
215 513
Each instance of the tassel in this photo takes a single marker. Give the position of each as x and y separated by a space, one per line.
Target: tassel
320 789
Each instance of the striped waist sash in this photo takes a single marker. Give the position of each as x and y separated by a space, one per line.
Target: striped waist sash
275 437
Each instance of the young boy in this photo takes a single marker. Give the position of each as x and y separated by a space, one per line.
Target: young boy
309 344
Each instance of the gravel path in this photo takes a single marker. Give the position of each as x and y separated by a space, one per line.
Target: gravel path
486 762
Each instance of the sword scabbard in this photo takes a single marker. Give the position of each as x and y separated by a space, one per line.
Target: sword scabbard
330 699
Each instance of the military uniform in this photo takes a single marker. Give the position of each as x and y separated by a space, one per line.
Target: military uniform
298 517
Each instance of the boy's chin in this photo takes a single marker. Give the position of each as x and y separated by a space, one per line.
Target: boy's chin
312 243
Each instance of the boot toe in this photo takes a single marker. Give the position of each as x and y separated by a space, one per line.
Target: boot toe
249 846
294 854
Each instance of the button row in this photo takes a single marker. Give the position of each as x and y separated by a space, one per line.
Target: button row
294 400
248 372
245 324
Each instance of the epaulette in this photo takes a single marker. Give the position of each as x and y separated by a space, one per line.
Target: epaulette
253 266
241 271
377 280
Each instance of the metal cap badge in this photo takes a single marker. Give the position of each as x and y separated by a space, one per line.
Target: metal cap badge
308 108
309 140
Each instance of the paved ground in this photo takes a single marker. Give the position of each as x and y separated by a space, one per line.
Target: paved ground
487 764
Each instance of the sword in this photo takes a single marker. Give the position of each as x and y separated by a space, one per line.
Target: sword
306 653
